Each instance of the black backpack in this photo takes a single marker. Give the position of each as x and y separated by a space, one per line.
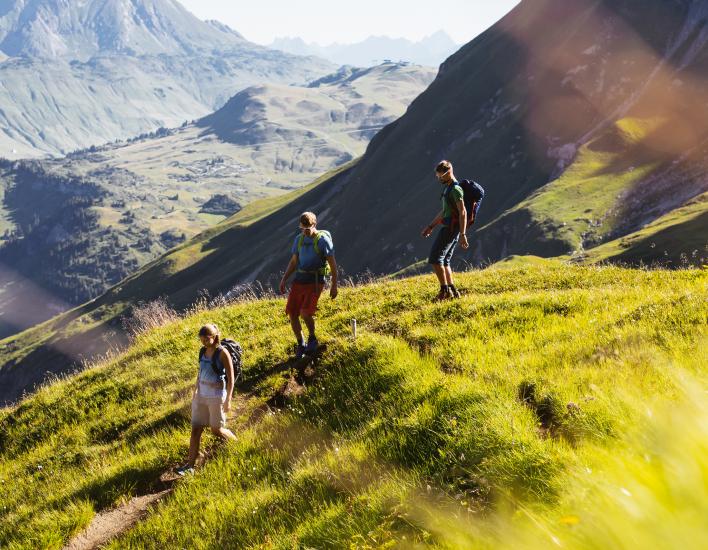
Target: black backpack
473 195
235 350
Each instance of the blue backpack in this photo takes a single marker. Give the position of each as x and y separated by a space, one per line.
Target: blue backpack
324 269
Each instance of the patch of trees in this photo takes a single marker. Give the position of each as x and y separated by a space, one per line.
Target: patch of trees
160 132
221 205
172 238
59 243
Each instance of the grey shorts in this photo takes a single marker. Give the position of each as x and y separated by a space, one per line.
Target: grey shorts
208 411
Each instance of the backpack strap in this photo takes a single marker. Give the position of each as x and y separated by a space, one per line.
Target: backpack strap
316 246
214 357
453 206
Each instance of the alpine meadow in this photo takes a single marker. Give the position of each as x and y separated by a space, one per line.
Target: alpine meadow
554 406
536 379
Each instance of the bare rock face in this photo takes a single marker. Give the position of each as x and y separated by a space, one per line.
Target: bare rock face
85 29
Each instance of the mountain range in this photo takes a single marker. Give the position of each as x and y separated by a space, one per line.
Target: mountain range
81 30
80 73
109 210
584 121
431 50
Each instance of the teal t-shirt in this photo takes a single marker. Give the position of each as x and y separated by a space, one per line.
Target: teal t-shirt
455 193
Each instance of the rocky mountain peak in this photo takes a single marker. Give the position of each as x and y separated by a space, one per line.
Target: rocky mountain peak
81 29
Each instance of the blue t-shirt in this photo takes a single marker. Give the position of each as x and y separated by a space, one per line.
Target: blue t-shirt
308 260
211 385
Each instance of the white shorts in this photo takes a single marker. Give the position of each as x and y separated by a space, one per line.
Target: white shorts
208 411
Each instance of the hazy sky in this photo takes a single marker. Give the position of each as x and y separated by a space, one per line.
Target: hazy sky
327 21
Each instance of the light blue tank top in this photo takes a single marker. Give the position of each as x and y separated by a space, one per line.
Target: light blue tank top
211 385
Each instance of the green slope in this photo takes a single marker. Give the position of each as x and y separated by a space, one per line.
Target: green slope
615 183
577 207
678 238
512 109
212 260
414 435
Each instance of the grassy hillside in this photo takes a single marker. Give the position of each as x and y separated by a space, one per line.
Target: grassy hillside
678 238
213 261
157 190
622 143
618 190
532 411
577 207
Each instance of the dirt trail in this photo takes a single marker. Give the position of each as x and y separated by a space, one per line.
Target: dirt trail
111 523
108 524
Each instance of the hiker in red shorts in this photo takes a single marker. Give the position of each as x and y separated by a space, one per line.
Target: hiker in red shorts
312 262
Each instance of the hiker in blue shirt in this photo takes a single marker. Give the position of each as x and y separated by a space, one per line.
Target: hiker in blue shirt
211 399
313 262
453 219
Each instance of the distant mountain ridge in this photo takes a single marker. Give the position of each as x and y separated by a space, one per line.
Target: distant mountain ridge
430 51
152 192
84 29
84 73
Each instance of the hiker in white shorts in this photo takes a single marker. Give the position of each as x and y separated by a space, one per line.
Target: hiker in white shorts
212 394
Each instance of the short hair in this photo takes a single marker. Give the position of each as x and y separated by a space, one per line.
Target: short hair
443 166
308 219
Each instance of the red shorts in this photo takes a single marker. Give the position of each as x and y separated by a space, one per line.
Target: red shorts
302 299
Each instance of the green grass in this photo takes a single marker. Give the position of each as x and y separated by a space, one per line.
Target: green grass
413 435
679 237
578 206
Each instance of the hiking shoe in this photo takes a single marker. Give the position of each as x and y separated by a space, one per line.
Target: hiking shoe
444 294
454 293
312 345
299 351
185 470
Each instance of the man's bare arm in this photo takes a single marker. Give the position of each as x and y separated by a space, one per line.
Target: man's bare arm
428 229
463 223
333 291
292 266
